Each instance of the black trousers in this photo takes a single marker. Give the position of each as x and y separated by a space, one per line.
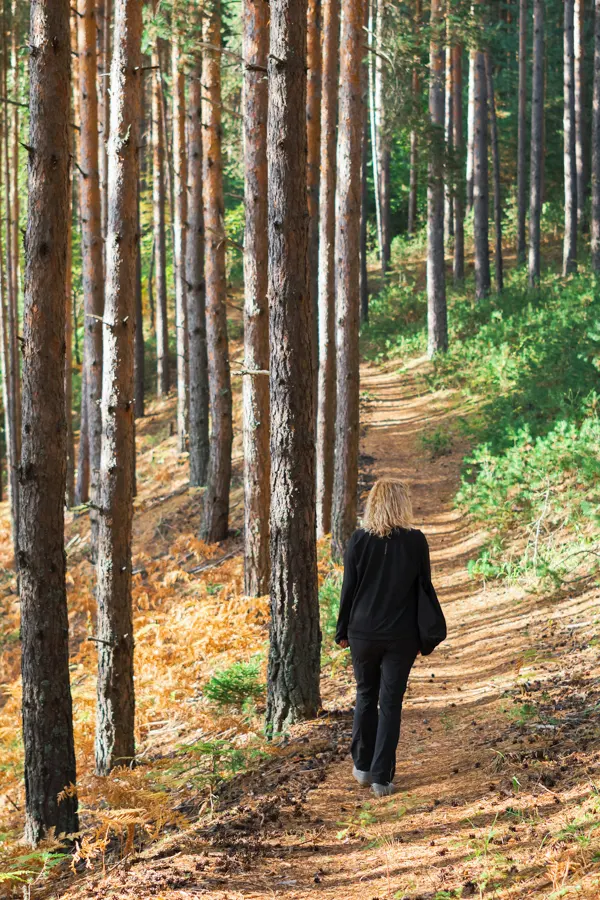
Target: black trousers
381 669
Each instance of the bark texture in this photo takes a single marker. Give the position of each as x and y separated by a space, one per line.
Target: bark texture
257 460
458 266
536 163
437 317
295 639
196 293
570 163
115 709
595 229
327 361
481 182
103 20
180 232
92 245
215 513
158 207
47 708
313 127
414 135
383 143
522 134
498 264
470 130
580 117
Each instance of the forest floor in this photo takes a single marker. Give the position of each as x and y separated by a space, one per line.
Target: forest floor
499 759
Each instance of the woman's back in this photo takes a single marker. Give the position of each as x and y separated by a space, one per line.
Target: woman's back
380 590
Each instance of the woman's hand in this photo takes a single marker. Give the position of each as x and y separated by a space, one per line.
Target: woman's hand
344 644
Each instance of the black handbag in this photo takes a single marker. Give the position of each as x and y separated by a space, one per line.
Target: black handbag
430 619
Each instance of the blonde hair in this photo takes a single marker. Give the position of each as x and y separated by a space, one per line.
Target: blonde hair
388 507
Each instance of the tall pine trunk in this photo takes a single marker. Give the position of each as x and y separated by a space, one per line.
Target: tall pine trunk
256 308
140 347
522 134
180 230
437 318
496 170
92 245
295 638
327 356
595 229
347 241
537 143
15 213
82 482
158 207
196 293
70 471
413 177
313 124
449 187
458 267
364 187
481 182
115 710
103 17
569 154
580 117
470 130
215 513
383 143
47 708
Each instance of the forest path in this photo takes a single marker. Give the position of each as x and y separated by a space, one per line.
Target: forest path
483 783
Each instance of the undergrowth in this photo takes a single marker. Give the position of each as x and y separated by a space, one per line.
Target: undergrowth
527 364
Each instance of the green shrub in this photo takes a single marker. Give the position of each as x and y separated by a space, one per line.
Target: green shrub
437 443
235 685
329 603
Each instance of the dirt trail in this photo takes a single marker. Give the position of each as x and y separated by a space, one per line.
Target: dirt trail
482 791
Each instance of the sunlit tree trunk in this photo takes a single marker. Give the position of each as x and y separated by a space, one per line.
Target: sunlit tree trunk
496 170
327 357
580 119
215 514
103 17
313 124
537 142
347 241
470 130
196 292
82 483
140 353
449 187
414 136
158 207
595 236
364 189
383 143
481 181
115 708
295 640
458 267
522 134
256 308
371 26
70 473
180 230
437 322
16 238
46 705
569 154
92 246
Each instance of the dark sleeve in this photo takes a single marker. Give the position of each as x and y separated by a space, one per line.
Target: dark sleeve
348 592
426 562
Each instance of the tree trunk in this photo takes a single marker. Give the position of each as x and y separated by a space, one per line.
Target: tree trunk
70 472
570 163
457 144
470 130
327 355
595 236
158 207
496 169
373 116
92 245
196 293
449 188
47 708
82 484
313 122
180 232
103 19
383 144
414 160
116 702
481 182
437 318
15 225
256 308
347 240
215 514
580 122
364 192
140 347
295 639
522 134
537 142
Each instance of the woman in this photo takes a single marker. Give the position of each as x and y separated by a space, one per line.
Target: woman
378 620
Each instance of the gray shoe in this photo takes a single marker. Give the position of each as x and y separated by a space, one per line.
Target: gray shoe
383 790
363 778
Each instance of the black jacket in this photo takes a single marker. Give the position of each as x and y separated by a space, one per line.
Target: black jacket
381 580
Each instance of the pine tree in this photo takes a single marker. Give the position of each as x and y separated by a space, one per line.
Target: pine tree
215 513
256 307
595 229
158 207
537 143
47 708
115 710
498 263
180 229
437 323
458 267
570 167
481 181
383 145
522 133
295 641
580 118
